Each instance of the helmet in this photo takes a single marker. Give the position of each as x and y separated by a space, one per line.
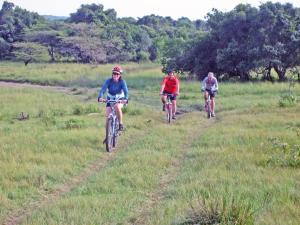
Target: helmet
117 69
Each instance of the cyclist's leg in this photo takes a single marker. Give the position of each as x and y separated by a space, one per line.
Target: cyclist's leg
212 104
205 99
163 100
212 98
174 108
118 108
174 105
108 111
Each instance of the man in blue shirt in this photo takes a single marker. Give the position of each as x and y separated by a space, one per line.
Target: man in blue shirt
115 86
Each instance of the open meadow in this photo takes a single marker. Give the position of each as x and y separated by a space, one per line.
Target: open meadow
241 167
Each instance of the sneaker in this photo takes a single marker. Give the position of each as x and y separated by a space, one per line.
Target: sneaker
213 114
121 127
174 117
164 107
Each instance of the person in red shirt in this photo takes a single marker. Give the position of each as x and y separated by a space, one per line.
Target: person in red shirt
170 85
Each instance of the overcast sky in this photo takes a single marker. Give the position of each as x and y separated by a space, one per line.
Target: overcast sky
193 9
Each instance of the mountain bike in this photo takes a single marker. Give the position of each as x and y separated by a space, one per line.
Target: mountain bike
169 107
112 123
208 105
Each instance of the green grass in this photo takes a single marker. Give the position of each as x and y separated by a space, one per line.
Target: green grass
240 168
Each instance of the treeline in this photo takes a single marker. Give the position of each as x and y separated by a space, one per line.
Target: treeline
242 43
246 42
91 35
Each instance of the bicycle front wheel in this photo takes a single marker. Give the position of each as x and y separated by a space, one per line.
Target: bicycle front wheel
208 110
116 134
109 135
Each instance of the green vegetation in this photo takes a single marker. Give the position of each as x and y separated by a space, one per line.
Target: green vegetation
245 43
240 168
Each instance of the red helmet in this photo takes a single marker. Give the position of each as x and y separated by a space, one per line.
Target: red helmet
117 69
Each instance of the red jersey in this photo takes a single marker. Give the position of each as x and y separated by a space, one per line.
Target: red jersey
171 83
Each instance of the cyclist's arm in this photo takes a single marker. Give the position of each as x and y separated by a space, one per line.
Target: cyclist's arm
163 86
125 89
103 89
216 86
177 86
203 85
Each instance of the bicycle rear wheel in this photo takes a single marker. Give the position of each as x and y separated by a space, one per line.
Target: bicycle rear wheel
109 135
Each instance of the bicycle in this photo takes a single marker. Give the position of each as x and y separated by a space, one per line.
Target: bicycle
169 107
112 123
208 105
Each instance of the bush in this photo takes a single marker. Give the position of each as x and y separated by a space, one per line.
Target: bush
284 154
74 123
287 100
78 110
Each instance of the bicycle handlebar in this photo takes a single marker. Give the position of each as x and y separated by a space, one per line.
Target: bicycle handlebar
123 101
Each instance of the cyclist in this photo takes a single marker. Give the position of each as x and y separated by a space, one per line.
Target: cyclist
115 85
210 87
170 85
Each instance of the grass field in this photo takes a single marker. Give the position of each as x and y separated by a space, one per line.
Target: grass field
242 167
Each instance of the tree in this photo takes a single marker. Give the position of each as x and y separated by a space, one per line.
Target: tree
280 31
93 14
51 39
29 51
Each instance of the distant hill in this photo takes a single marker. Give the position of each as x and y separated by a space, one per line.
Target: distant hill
50 17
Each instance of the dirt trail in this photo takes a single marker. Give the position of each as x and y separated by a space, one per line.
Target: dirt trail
13 84
144 213
46 198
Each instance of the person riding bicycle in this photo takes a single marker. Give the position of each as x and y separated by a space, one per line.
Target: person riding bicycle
115 86
210 87
170 85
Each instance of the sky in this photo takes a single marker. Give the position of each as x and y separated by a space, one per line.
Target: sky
192 9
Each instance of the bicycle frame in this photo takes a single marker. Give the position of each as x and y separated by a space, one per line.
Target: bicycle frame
112 123
208 103
169 108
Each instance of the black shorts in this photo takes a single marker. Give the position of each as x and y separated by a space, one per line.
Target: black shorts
172 98
211 93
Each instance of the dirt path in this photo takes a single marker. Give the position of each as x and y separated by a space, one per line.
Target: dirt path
13 84
144 213
46 198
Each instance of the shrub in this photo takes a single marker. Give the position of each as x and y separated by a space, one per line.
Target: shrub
287 100
225 211
74 123
78 110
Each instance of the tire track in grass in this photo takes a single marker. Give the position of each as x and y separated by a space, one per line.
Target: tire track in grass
142 214
19 215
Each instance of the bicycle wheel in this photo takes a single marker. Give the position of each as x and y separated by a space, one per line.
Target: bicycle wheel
116 134
109 135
